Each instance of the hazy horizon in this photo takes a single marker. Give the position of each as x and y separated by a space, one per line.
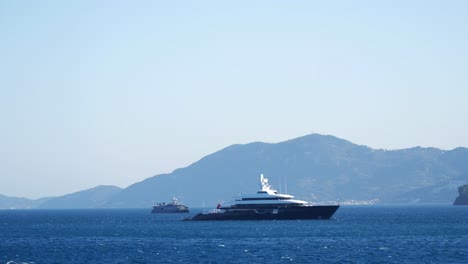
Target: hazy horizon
111 93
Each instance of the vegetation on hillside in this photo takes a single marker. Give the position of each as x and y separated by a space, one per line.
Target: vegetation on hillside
463 190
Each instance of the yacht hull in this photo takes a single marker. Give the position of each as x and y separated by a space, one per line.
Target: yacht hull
169 209
294 213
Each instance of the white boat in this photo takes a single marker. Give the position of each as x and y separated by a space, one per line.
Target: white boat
267 204
173 207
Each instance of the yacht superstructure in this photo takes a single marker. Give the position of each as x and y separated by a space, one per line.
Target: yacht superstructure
267 204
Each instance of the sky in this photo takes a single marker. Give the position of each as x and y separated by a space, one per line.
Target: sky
113 92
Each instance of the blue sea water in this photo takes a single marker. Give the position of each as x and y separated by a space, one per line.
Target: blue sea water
356 234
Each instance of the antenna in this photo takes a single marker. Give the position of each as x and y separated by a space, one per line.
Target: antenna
280 182
285 185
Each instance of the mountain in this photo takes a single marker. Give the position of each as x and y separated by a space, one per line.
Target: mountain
314 168
462 198
91 198
7 202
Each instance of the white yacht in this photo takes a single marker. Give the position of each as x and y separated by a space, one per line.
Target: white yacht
267 204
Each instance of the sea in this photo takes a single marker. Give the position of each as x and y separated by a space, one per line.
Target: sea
355 234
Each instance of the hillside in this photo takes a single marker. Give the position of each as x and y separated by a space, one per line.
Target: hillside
91 198
462 198
7 202
315 168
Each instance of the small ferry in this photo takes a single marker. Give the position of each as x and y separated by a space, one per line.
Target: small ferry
173 207
267 204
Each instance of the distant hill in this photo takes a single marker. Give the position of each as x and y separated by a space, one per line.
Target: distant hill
92 198
315 168
7 202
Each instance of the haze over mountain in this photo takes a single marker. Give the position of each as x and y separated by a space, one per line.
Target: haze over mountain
95 197
315 167
19 202
92 198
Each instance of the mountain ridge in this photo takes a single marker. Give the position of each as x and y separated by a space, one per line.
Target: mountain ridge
333 153
90 198
314 167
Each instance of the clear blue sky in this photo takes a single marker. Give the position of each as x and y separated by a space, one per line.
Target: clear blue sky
113 92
